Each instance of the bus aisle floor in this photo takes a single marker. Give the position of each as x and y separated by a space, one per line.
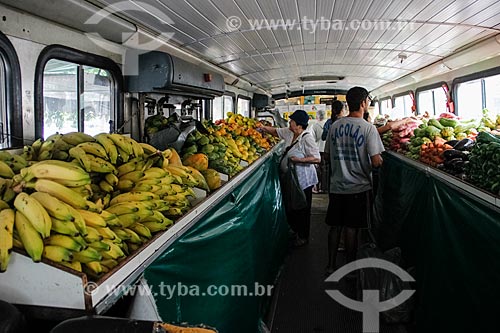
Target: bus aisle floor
301 304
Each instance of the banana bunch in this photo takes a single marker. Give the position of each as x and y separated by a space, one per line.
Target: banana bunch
7 193
6 236
11 164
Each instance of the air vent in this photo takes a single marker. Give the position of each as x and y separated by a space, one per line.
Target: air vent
322 78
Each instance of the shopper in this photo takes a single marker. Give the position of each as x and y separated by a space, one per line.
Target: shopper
303 151
354 147
317 132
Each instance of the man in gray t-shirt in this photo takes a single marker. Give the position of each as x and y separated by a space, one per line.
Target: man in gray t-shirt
354 147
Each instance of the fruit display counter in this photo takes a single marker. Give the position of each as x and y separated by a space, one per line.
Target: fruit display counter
449 231
54 284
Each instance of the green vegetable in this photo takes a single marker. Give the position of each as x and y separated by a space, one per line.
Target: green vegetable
432 132
435 123
447 132
460 136
448 122
484 137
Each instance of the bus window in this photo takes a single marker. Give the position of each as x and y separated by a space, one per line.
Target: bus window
469 101
217 110
432 101
403 104
385 106
71 103
228 104
492 92
3 105
244 107
376 108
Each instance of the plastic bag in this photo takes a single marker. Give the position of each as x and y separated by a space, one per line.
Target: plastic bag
390 285
294 197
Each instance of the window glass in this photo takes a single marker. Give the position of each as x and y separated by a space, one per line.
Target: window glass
470 99
440 101
60 92
244 107
217 110
96 100
492 89
228 104
425 102
376 108
385 106
3 106
403 106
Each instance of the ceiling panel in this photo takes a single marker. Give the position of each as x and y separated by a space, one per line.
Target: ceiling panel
413 9
268 37
432 9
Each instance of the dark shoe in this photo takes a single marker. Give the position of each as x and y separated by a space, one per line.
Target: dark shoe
298 242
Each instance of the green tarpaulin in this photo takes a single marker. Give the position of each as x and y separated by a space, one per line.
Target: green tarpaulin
453 241
240 242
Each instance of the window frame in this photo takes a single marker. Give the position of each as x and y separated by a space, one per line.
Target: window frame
249 99
402 94
382 100
472 77
431 87
13 93
81 58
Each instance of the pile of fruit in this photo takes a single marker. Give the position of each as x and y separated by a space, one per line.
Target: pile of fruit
229 141
87 202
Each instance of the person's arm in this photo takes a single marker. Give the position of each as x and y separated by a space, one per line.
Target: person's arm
269 129
377 160
311 152
391 125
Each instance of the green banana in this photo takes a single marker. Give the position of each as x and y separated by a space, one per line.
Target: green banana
64 227
156 226
134 176
122 143
79 154
100 246
57 253
125 185
6 170
106 187
93 235
87 255
63 241
128 219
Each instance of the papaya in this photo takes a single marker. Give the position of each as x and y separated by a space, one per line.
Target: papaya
213 178
198 161
175 159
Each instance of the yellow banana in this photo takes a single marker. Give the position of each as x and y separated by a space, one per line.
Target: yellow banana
75 138
45 155
122 234
57 253
92 219
79 154
5 170
100 165
109 146
137 149
64 241
106 233
141 230
134 237
121 143
111 178
62 145
133 196
158 226
115 252
165 190
134 246
134 176
93 235
87 255
174 211
3 205
60 155
56 170
30 238
111 220
34 212
132 165
75 265
55 207
78 221
95 149
199 178
80 240
61 192
94 266
100 246
148 149
37 145
130 207
125 185
64 227
150 161
9 194
154 172
178 188
123 155
128 219
7 217
105 186
109 263
160 204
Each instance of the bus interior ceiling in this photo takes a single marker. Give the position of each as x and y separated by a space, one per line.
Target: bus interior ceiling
272 47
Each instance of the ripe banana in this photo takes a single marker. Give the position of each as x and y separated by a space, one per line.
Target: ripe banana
100 246
7 217
75 138
154 172
105 186
75 265
78 221
132 165
141 230
107 233
34 212
93 235
55 207
61 192
137 149
125 185
148 149
62 145
63 241
57 253
64 227
81 156
109 146
111 178
109 263
60 155
95 149
87 255
158 226
94 266
111 219
130 207
80 240
134 176
56 170
122 143
128 219
123 155
30 238
133 196
3 204
92 219
200 179
115 252
5 170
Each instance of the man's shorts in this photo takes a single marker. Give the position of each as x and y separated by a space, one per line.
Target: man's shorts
350 210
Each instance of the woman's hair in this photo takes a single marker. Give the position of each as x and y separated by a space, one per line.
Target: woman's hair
337 107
